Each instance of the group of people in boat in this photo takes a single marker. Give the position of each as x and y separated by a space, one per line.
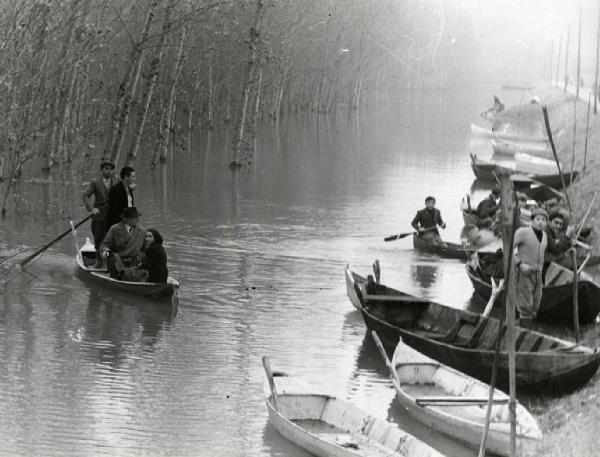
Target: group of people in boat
128 251
543 236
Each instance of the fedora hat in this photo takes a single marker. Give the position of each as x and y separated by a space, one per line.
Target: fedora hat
131 212
107 163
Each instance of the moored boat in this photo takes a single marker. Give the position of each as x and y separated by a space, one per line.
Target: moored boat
326 426
506 135
510 148
86 257
455 404
466 341
557 294
445 250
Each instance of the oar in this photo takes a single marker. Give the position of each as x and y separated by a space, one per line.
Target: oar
404 235
58 238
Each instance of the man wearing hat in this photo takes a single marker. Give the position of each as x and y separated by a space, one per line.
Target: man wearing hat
123 243
526 282
99 189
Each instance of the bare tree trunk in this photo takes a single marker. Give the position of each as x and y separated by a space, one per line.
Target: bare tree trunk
126 91
211 96
125 109
167 125
240 143
150 85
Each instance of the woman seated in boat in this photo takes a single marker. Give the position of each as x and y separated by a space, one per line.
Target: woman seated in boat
152 266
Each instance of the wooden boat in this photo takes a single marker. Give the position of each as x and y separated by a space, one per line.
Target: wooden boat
446 250
327 426
455 404
86 256
510 148
465 342
469 217
528 164
554 180
485 171
504 135
557 295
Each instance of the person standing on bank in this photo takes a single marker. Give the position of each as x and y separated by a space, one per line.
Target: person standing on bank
123 243
99 188
120 197
427 220
530 245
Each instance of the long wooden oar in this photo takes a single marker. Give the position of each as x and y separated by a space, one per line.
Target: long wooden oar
58 238
404 235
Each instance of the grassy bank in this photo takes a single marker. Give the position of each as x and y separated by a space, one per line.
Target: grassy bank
569 423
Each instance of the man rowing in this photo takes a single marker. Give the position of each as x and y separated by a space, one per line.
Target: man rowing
427 221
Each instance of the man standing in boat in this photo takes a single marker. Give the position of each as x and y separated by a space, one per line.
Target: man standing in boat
120 196
526 282
427 220
99 188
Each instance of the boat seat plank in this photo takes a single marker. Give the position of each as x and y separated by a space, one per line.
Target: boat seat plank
458 401
397 298
520 340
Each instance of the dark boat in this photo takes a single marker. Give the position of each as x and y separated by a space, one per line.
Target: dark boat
554 180
557 300
86 256
446 250
465 341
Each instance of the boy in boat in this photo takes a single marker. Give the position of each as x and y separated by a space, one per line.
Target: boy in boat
99 188
487 207
559 241
123 243
427 220
526 281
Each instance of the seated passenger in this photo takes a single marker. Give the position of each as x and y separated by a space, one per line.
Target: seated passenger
559 241
152 263
123 243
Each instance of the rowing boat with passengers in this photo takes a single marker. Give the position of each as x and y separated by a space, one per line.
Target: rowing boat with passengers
445 250
465 341
557 293
85 259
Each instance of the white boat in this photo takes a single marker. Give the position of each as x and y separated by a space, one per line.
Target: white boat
505 135
327 426
455 404
526 163
510 148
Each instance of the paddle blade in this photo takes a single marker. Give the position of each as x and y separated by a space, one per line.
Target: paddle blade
397 237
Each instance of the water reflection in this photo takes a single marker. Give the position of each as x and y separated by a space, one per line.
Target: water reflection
425 275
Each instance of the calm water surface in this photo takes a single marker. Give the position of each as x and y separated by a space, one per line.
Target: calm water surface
86 371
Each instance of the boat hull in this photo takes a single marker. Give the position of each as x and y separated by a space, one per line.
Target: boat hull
460 423
168 290
557 301
446 251
552 371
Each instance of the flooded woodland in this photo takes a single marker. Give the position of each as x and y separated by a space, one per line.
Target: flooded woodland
274 143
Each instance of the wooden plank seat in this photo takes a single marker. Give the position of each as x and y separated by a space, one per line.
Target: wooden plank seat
457 401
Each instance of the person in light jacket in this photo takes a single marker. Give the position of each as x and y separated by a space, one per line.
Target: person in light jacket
528 261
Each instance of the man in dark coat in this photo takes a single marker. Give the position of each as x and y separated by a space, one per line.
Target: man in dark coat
99 189
489 206
427 220
559 241
120 197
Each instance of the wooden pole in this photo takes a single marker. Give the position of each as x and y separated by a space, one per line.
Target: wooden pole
549 132
567 58
595 91
575 296
587 130
509 220
578 58
507 237
558 60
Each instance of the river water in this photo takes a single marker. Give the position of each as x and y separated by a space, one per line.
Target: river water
87 371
